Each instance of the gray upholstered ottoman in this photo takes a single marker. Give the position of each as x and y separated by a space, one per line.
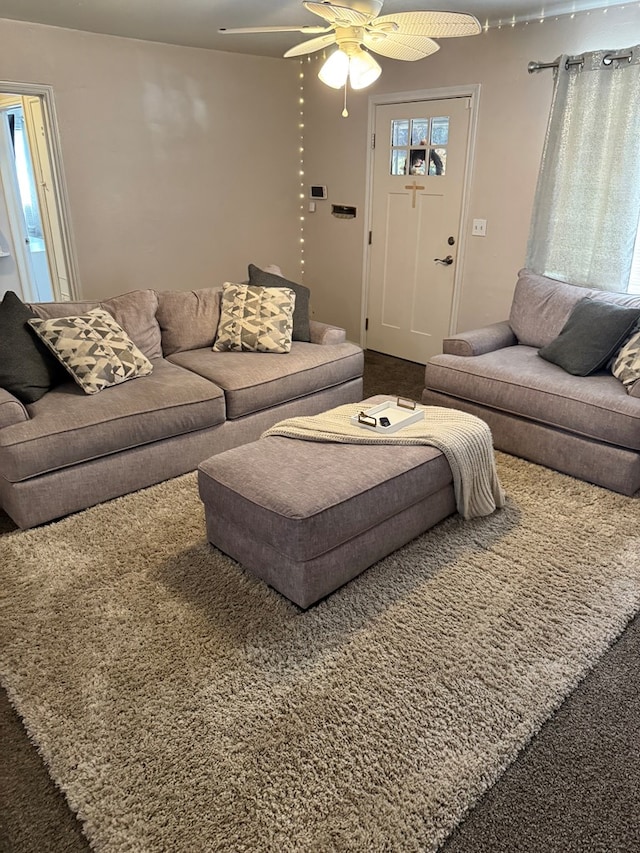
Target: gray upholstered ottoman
308 516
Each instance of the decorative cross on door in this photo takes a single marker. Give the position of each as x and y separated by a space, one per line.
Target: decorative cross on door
413 187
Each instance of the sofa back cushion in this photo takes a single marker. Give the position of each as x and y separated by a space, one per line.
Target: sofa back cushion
134 311
188 318
541 306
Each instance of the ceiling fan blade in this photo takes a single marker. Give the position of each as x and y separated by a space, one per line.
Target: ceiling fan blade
431 24
311 45
341 16
400 46
309 30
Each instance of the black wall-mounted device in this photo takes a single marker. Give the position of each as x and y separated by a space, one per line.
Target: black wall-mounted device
343 211
317 192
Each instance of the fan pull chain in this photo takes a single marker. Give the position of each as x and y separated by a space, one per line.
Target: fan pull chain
345 111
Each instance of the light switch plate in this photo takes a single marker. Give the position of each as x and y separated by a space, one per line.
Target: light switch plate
479 228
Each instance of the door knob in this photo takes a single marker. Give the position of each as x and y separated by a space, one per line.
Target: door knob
446 261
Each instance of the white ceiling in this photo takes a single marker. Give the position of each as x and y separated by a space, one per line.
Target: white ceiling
195 23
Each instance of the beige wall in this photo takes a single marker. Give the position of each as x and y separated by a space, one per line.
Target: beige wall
181 164
513 110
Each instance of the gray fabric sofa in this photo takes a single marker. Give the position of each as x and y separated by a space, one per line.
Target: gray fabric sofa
585 426
70 450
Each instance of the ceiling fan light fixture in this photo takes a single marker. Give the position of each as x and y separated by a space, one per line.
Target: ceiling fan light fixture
352 63
358 30
335 70
363 70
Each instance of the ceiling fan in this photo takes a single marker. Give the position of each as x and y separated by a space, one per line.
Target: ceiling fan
357 28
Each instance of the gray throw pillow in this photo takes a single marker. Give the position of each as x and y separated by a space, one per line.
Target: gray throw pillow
260 278
27 369
592 334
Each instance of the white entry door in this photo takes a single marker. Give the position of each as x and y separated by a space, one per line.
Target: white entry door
419 165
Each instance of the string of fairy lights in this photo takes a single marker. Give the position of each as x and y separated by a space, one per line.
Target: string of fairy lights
301 164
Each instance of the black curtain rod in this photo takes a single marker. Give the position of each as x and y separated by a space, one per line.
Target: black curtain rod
579 60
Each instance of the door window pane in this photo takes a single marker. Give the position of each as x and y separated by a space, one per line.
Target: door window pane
420 131
418 165
440 130
437 161
400 132
399 162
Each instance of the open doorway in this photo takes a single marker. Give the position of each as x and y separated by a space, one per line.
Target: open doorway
36 259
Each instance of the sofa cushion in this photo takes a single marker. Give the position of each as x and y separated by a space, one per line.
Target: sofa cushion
188 319
541 306
593 333
134 311
515 380
255 319
93 348
68 427
48 310
253 382
27 368
263 278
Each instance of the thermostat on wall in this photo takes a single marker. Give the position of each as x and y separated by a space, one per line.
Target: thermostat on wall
317 192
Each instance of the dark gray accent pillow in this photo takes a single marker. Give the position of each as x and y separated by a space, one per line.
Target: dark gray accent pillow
27 369
260 278
592 334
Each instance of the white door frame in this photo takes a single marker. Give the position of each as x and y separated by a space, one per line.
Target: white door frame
17 226
471 91
59 183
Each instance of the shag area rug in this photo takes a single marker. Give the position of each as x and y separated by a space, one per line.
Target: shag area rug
182 705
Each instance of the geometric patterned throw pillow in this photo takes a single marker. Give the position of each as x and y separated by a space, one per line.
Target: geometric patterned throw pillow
626 365
255 319
95 350
272 277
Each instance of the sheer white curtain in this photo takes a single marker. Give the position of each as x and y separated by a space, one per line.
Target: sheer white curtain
587 206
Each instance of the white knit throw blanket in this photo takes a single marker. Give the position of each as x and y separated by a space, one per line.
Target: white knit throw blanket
465 440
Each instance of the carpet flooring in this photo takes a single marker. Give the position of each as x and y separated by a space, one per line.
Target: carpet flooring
571 789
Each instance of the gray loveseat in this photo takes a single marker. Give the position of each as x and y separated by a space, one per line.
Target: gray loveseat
586 426
69 450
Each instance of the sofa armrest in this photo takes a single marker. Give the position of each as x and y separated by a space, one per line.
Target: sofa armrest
478 341
321 333
11 410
